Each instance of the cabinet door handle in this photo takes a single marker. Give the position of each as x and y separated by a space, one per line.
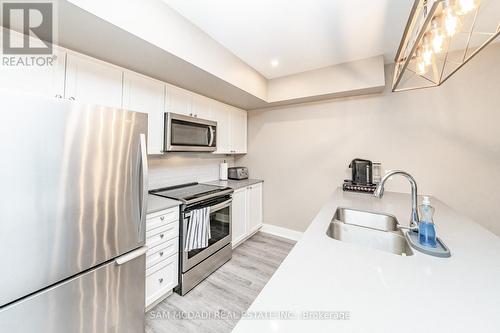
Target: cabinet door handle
160 280
162 218
161 254
162 235
72 98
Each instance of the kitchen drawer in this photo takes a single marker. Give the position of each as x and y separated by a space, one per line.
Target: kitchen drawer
161 278
163 217
161 252
162 234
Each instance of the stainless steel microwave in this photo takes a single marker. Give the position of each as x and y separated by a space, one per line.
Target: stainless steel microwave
184 133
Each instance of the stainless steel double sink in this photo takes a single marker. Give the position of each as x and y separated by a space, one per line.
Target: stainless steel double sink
374 230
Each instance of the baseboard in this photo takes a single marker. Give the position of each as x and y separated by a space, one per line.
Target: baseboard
159 300
242 239
281 232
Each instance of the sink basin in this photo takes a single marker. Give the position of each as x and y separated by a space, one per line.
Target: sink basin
378 231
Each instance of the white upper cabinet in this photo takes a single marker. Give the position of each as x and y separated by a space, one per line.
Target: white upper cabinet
84 79
202 107
238 131
143 94
178 100
222 114
92 81
46 80
188 103
231 129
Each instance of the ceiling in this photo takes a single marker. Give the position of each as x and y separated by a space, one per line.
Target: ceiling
300 34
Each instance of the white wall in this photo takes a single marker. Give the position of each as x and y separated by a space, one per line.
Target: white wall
179 168
447 137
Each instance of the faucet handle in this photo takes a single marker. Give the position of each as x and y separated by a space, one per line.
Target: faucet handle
413 226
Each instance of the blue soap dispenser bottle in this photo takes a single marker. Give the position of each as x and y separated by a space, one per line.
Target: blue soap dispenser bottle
426 228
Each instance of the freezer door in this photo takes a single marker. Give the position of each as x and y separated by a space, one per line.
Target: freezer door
108 299
73 182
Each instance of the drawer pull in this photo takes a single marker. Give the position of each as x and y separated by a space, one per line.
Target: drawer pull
162 218
161 253
162 235
160 280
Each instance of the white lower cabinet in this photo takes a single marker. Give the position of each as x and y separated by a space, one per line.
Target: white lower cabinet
254 204
239 216
246 212
162 258
161 279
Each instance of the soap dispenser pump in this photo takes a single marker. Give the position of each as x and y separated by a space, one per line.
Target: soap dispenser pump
426 227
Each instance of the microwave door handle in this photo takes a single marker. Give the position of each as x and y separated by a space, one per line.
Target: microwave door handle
211 142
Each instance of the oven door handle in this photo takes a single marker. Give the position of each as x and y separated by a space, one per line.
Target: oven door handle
221 205
214 208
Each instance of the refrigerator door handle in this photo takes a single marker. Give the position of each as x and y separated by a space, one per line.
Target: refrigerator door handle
144 188
131 255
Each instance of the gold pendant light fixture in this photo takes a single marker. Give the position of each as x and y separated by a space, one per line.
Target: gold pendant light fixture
440 37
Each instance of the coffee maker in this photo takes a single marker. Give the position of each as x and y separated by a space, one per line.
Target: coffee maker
362 177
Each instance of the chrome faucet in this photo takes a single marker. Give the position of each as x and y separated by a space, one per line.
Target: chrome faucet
379 193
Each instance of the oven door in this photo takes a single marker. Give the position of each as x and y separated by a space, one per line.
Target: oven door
183 133
220 230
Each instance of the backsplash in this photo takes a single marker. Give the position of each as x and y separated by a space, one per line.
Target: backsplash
179 168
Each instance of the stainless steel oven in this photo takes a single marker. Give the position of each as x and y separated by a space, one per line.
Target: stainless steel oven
220 230
196 265
184 133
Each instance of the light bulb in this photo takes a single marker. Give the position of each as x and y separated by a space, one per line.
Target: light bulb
437 41
466 6
425 52
427 56
421 65
437 37
421 68
451 21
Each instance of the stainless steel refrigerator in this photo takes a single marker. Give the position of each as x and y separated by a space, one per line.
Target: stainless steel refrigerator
73 189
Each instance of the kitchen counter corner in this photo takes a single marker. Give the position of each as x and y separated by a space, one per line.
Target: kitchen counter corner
157 203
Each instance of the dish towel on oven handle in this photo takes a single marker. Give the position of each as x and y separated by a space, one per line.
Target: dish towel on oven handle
198 231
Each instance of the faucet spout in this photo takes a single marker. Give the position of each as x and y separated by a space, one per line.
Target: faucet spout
379 193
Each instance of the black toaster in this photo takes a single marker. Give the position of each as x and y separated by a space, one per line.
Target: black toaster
237 173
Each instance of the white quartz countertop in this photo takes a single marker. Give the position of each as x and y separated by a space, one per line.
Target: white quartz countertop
380 291
157 203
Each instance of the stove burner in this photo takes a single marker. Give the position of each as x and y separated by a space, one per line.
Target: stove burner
191 192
